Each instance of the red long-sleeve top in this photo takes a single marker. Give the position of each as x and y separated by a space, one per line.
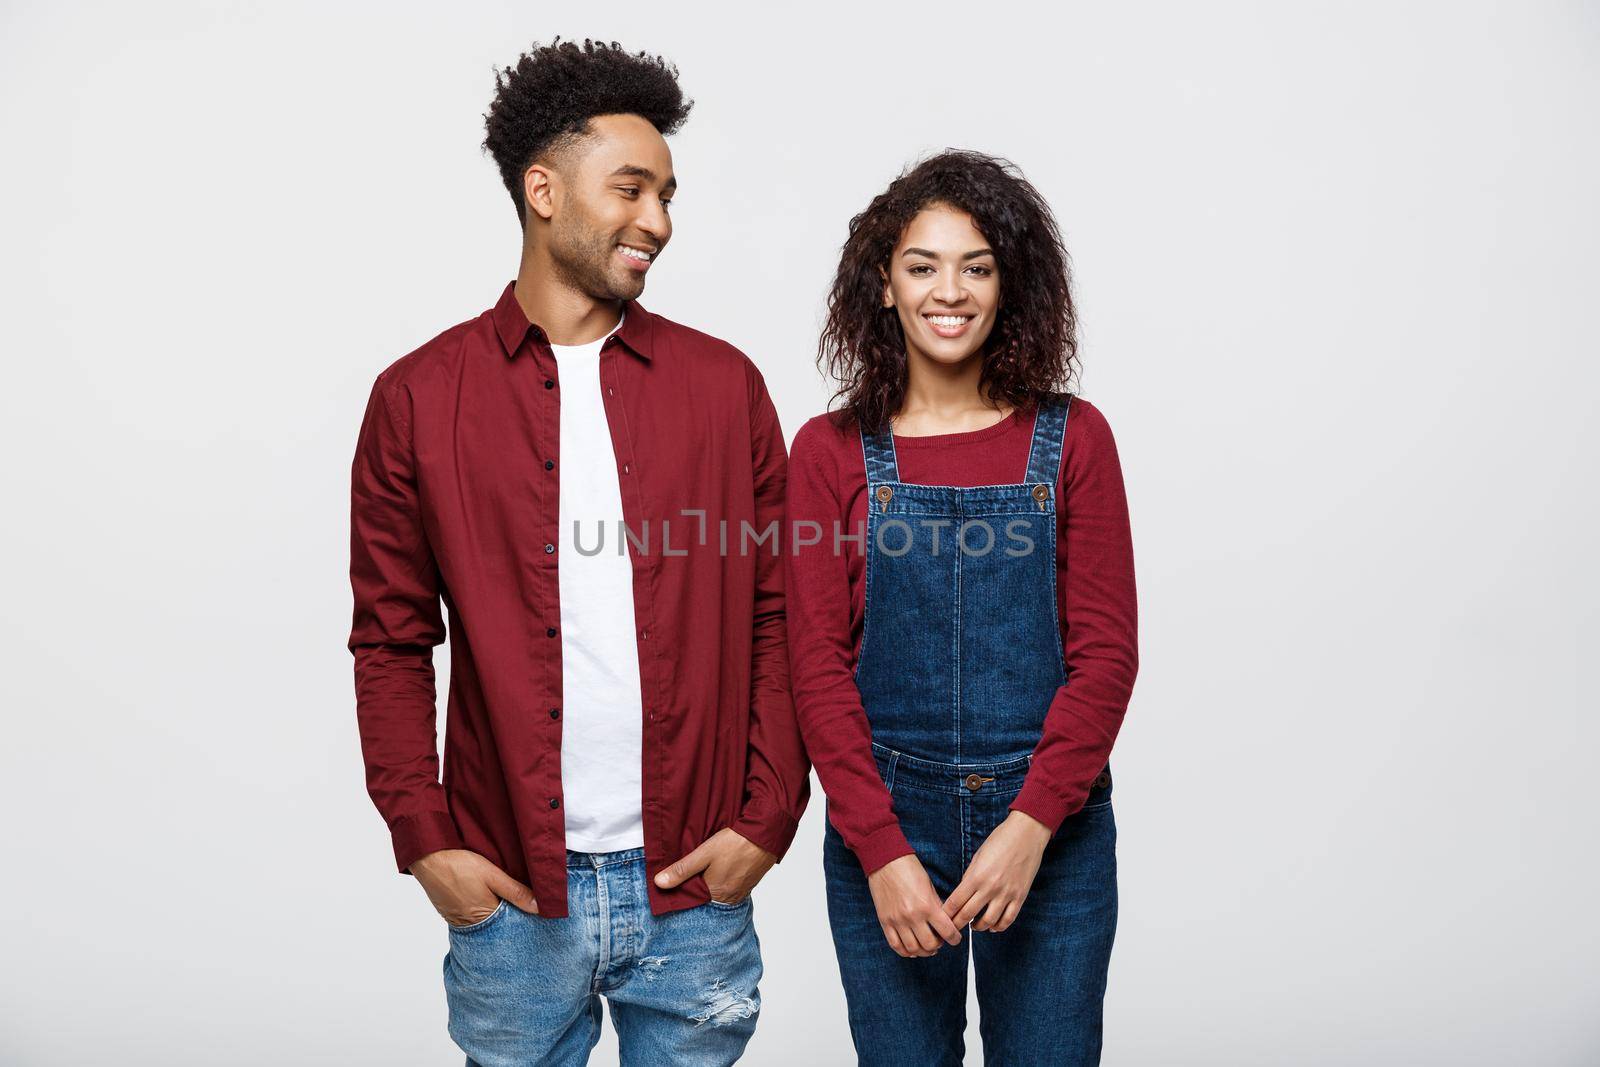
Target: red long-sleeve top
1098 609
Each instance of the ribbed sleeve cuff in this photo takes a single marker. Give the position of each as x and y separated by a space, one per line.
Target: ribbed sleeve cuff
881 846
1039 802
417 835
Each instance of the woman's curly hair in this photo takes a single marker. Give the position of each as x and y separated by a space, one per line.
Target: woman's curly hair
1033 349
545 101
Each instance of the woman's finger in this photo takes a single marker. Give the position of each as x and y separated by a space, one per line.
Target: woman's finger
958 898
991 914
927 940
975 903
1009 916
943 926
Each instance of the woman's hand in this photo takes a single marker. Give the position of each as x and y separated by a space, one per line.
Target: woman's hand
1001 873
908 908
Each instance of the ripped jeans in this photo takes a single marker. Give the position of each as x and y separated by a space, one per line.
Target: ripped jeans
682 986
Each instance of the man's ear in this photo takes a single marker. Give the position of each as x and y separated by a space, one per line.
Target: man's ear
539 190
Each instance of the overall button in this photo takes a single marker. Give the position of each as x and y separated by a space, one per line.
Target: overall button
975 782
883 494
1041 493
1102 780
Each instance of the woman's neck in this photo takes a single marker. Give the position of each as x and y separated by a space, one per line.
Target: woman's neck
943 398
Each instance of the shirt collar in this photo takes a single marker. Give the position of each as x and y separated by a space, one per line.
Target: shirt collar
511 323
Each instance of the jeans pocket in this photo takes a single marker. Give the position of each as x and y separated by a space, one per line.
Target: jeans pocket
721 905
471 928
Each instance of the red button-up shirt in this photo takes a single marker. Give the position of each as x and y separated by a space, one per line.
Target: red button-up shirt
454 498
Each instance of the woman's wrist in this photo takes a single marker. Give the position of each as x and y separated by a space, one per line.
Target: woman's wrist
1029 828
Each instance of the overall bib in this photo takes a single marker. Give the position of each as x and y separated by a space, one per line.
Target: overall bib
960 658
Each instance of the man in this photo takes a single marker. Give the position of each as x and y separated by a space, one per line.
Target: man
622 763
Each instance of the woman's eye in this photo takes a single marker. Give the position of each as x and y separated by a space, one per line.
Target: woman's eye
983 272
919 268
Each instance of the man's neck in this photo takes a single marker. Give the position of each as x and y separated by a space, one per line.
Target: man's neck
567 316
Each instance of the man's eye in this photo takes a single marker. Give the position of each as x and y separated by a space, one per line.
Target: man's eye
666 201
631 190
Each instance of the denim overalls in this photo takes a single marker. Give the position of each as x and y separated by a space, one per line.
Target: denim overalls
960 659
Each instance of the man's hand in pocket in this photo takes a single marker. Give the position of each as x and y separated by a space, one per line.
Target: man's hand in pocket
466 888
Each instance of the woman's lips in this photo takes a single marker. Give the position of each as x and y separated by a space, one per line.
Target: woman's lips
947 331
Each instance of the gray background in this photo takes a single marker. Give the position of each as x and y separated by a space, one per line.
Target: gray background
1337 270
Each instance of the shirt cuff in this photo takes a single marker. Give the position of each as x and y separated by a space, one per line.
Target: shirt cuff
417 835
771 829
1039 802
882 846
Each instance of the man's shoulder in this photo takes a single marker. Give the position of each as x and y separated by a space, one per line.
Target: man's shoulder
705 349
440 357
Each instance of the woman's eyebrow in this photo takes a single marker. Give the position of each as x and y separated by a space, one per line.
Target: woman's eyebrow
974 254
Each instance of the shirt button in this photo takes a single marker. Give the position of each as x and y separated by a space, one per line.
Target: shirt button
608 390
549 464
548 384
551 632
555 713
643 634
624 468
549 549
555 802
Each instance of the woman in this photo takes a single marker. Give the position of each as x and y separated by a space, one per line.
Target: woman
962 627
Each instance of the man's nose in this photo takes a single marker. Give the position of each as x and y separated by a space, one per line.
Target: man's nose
655 222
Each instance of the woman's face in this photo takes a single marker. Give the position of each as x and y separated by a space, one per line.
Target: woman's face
943 281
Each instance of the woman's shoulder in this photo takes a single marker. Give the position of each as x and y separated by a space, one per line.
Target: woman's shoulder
1088 447
1085 420
829 433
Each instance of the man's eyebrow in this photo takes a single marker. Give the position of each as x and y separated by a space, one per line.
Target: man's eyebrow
633 170
974 254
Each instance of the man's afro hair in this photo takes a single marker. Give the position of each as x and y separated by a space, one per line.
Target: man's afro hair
545 101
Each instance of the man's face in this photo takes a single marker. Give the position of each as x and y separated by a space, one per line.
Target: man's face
608 201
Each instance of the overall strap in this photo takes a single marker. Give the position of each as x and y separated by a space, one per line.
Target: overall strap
1049 429
877 449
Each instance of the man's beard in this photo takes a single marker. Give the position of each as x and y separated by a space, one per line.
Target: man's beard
582 257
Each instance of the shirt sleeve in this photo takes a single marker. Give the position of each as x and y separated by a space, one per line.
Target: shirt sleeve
1099 611
821 651
396 624
778 775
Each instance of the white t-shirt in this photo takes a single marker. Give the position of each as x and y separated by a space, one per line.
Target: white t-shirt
602 729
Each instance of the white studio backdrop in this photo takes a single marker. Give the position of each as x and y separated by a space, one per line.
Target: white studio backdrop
1336 264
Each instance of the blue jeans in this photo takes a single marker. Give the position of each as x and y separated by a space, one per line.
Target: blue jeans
1040 982
526 990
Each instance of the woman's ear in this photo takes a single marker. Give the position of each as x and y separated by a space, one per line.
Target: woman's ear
888 297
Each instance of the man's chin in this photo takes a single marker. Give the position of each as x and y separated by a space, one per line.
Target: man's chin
627 289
